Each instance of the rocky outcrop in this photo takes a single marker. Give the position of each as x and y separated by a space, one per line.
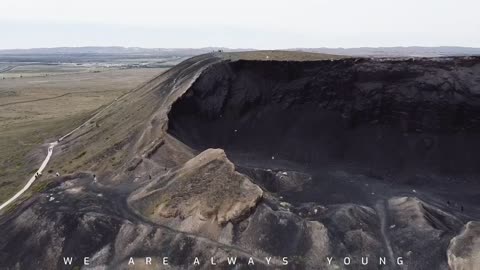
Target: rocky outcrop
464 249
205 188
420 232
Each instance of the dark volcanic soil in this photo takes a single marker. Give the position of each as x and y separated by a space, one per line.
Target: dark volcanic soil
349 157
356 126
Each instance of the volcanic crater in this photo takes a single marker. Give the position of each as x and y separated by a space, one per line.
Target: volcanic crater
225 155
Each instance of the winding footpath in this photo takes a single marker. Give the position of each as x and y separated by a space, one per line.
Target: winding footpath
30 182
53 144
47 159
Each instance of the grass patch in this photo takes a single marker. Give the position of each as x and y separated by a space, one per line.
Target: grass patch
17 142
81 155
37 118
11 207
41 186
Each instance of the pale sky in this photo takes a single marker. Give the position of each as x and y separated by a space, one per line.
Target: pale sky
262 24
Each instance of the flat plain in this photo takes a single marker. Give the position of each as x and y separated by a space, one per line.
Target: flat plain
41 101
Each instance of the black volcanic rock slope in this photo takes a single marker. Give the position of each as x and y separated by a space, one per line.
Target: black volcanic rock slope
307 160
388 115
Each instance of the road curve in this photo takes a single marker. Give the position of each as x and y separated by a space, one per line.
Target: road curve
53 144
49 155
33 178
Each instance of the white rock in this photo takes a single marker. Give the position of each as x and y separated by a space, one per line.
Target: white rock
285 204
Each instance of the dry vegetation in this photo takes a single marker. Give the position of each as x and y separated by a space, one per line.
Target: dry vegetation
280 56
36 110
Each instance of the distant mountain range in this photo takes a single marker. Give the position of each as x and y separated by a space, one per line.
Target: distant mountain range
117 50
398 51
362 51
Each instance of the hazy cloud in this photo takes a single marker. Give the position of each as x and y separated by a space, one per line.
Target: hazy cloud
248 23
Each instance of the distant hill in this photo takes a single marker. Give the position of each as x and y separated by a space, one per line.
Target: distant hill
117 50
397 51
182 52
